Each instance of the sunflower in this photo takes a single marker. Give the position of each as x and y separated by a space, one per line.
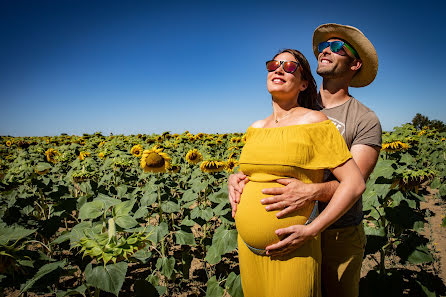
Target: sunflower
194 156
51 155
230 165
174 168
42 172
83 155
159 138
101 143
154 160
136 150
235 140
211 166
8 143
232 155
101 155
394 146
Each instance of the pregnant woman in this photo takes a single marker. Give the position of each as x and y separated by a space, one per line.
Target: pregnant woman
294 141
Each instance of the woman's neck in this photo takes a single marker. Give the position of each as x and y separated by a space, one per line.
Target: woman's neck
282 108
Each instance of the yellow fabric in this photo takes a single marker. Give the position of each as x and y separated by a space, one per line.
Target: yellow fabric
299 151
342 260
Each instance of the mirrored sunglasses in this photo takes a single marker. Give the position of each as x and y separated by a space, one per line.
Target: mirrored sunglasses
336 46
288 66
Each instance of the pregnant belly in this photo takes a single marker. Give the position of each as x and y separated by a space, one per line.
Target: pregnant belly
257 226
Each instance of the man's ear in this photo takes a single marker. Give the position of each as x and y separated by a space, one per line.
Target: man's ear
356 64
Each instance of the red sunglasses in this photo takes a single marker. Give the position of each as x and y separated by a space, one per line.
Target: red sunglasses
288 66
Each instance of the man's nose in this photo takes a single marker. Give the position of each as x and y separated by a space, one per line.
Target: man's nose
327 50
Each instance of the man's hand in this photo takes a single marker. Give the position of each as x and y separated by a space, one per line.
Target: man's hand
236 183
295 195
296 236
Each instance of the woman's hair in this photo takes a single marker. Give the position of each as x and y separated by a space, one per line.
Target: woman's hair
307 98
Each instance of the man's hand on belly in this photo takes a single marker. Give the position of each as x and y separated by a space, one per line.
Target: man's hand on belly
296 236
295 195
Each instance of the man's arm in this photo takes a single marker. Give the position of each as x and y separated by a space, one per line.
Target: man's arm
297 194
351 187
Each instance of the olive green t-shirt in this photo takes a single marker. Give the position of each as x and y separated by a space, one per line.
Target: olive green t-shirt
358 125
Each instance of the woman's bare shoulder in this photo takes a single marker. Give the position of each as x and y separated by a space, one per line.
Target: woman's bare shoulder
258 124
314 116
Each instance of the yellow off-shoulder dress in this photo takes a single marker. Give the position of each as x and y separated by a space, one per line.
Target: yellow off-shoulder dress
299 151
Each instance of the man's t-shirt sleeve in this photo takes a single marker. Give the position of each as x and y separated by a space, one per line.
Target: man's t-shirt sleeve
369 130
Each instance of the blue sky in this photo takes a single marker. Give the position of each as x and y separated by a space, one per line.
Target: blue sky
128 67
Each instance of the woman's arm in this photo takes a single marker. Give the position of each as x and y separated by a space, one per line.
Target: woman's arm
351 186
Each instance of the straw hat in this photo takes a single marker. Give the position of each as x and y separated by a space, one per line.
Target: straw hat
359 42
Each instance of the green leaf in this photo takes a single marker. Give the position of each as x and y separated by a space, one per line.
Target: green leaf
44 270
206 214
233 285
149 198
397 198
109 278
43 166
370 200
77 233
170 207
407 159
221 209
374 231
213 288
436 183
381 189
121 191
108 201
13 233
86 187
220 196
123 208
420 255
224 241
198 186
157 232
426 291
76 291
166 266
141 212
91 210
384 168
442 190
183 237
126 221
189 195
62 238
143 255
187 222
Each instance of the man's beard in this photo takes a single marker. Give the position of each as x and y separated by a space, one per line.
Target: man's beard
327 73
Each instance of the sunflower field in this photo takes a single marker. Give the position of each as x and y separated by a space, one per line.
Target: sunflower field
148 215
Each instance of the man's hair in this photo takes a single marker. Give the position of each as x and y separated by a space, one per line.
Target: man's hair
307 98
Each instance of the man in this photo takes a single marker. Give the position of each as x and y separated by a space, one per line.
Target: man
345 58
